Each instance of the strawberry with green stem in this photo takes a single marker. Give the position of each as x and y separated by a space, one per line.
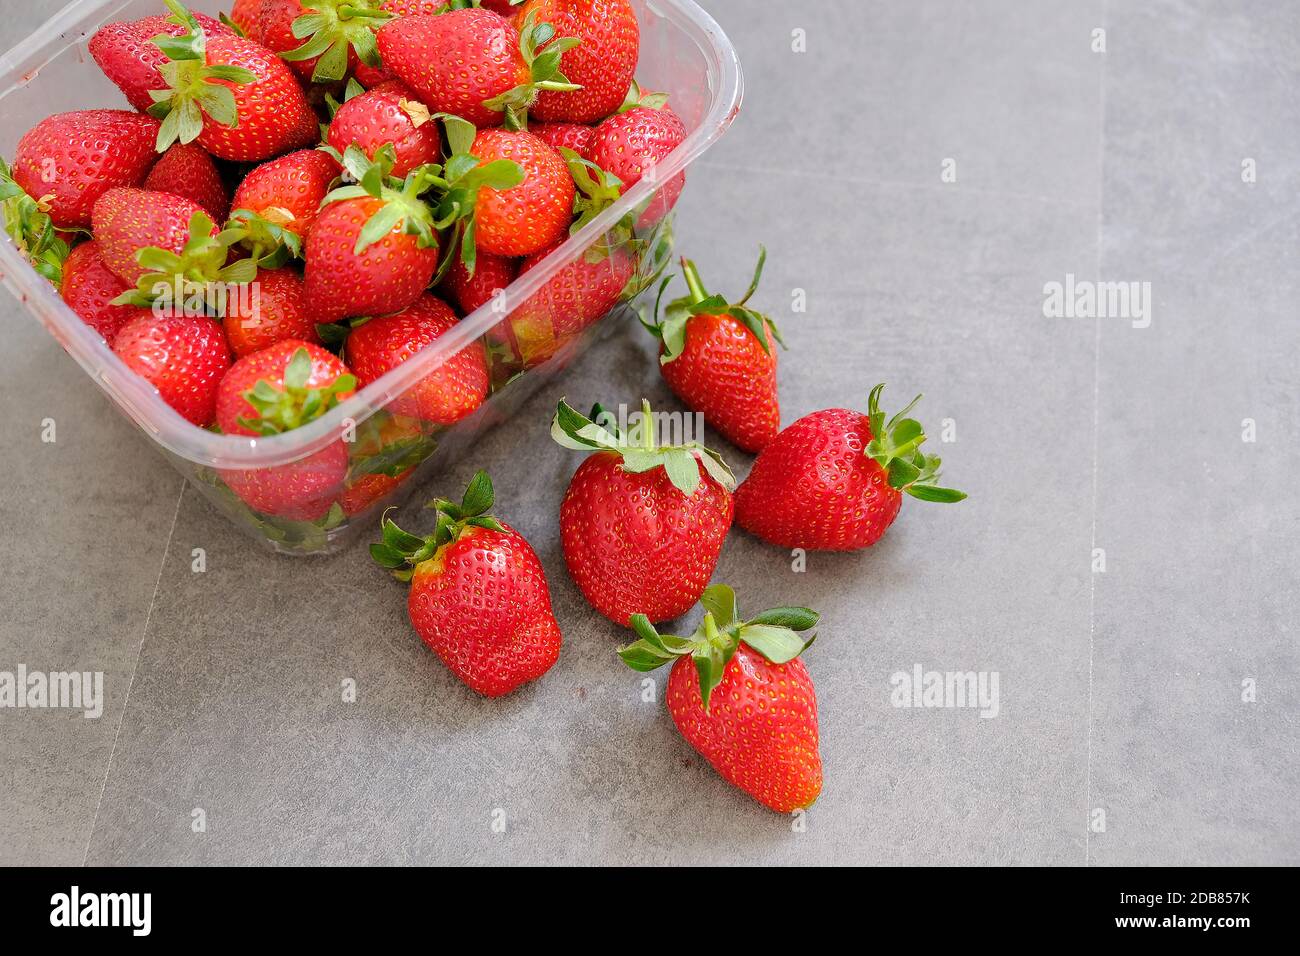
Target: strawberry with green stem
231 94
741 697
720 358
632 142
129 56
600 63
187 170
641 524
28 224
277 202
387 114
834 480
323 39
479 597
386 453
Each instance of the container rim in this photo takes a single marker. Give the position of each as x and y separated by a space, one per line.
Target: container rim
141 401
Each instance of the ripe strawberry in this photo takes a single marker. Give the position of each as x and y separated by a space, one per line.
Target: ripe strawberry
276 310
89 288
491 275
388 114
372 249
602 64
276 390
474 64
129 56
630 143
536 213
832 481
642 524
574 299
740 696
322 39
187 170
478 595
277 203
127 221
27 223
454 390
67 161
182 356
387 450
247 15
233 95
558 136
720 359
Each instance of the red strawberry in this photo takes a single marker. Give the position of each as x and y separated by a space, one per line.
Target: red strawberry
560 136
182 356
89 288
478 595
828 483
326 38
642 524
276 390
128 55
602 64
536 213
629 144
389 114
233 95
580 294
455 389
387 450
277 203
247 15
275 310
187 170
129 220
491 275
473 63
741 697
69 160
720 359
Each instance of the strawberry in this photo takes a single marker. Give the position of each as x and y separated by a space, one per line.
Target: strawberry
129 220
322 39
454 390
247 16
276 204
387 450
233 95
275 311
388 114
183 356
492 274
187 170
372 249
641 524
276 390
67 161
533 215
89 287
561 136
478 594
27 223
741 697
129 55
474 64
720 359
602 63
833 480
629 144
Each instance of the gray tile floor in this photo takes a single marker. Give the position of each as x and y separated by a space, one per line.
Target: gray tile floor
1122 735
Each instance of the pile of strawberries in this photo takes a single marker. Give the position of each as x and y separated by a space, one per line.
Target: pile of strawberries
309 192
395 165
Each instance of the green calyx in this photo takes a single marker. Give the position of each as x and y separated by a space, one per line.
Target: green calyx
671 329
463 175
284 408
201 265
636 97
400 551
775 633
192 91
331 29
402 207
895 447
265 238
28 224
544 72
638 448
596 190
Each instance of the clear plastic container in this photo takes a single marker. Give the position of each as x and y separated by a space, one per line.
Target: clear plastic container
683 53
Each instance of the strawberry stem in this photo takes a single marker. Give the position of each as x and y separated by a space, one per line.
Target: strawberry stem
692 277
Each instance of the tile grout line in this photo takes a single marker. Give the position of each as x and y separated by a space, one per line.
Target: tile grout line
103 787
1096 416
